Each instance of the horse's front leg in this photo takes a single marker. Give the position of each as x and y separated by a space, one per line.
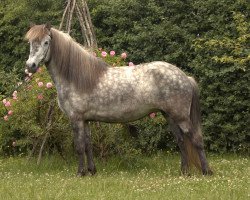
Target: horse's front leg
79 142
88 149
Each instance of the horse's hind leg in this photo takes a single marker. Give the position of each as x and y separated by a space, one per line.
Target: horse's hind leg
180 141
197 142
79 142
88 150
204 164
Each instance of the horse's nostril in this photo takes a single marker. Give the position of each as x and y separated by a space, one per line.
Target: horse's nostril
33 65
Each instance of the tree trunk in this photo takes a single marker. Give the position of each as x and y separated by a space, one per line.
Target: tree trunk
64 14
71 11
83 27
47 130
84 18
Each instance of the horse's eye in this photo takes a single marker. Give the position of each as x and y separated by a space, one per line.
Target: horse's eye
46 43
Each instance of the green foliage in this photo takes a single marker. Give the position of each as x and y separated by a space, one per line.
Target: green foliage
142 136
112 139
224 71
146 29
8 82
151 134
208 39
15 18
25 119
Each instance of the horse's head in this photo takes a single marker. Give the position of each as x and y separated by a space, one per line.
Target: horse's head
39 37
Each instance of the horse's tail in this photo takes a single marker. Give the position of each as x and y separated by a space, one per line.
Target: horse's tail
195 118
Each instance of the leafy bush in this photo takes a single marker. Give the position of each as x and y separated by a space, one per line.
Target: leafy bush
8 82
15 18
200 37
151 134
208 39
150 31
25 114
222 65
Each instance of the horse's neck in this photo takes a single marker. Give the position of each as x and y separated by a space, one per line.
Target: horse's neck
52 68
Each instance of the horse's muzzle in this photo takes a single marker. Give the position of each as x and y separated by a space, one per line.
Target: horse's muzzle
32 67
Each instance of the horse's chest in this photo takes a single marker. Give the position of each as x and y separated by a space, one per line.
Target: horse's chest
71 104
64 104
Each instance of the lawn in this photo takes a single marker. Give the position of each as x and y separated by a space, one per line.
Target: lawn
155 177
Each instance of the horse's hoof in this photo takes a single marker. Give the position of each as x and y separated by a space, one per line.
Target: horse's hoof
92 170
186 174
185 171
80 174
208 172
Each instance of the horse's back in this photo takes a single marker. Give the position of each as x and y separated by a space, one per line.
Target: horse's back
164 75
159 70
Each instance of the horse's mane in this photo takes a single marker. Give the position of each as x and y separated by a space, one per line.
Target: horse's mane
74 63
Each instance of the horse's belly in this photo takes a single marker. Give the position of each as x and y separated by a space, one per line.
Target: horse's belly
119 113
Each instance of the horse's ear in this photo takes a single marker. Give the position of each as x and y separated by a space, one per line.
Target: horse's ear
32 24
48 26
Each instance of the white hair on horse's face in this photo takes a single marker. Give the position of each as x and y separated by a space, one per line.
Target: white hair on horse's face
39 52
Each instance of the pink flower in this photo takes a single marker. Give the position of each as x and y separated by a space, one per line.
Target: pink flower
6 118
40 84
49 85
152 115
124 55
7 104
4 101
130 64
112 53
14 93
14 143
104 53
40 96
10 112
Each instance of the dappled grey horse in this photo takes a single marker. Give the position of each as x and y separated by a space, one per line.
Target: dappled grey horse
90 90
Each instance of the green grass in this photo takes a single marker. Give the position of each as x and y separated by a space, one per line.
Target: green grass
156 177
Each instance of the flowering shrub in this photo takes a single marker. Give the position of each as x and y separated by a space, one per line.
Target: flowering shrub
111 57
25 118
24 113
